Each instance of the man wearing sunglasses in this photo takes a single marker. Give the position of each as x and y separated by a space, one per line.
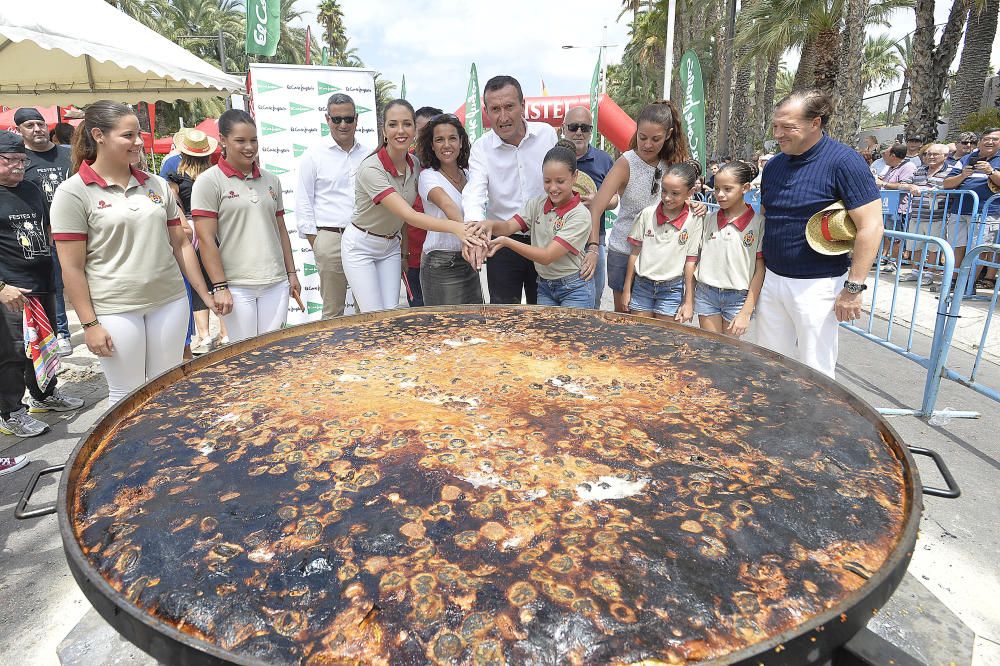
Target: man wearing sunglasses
324 199
578 127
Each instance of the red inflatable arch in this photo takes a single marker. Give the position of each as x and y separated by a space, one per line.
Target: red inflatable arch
612 122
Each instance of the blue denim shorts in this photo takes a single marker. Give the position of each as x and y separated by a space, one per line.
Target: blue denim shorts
617 265
571 291
714 301
663 298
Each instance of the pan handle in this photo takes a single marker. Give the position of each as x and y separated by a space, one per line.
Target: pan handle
953 490
20 513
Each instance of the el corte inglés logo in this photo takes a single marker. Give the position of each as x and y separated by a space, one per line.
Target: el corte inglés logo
324 130
326 88
296 109
266 86
276 170
297 149
362 109
309 269
268 128
313 307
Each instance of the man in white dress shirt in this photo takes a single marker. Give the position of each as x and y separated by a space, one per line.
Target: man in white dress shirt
325 199
505 171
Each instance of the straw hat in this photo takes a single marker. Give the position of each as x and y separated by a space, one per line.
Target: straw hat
195 143
831 231
584 184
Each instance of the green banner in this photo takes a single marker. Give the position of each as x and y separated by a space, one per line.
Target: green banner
402 88
595 92
473 108
693 106
263 29
325 57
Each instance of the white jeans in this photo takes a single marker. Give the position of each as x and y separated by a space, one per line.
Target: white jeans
373 268
147 343
257 310
795 317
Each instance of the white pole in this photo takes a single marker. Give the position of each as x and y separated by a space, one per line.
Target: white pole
668 57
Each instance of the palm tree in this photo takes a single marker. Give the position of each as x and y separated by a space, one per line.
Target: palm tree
881 62
930 64
904 48
331 18
974 66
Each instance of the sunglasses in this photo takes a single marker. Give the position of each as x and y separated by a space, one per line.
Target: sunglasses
657 175
968 143
579 127
14 160
336 120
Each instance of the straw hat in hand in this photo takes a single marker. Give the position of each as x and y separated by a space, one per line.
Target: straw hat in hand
831 231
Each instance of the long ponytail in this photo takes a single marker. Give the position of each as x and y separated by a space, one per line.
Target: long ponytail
665 114
103 115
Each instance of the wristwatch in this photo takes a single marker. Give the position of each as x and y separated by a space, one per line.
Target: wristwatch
854 287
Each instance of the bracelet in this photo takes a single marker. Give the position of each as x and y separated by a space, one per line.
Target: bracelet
3 285
91 324
221 287
290 272
590 251
590 245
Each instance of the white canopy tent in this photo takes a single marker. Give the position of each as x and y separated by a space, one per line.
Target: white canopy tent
78 51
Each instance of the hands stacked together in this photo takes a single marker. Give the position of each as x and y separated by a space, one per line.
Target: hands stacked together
478 242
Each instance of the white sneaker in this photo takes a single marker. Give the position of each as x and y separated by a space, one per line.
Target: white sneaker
201 346
63 346
57 402
20 424
8 465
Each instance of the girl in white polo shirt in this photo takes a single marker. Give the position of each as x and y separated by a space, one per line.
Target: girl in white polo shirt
559 224
122 249
665 239
239 218
730 269
385 192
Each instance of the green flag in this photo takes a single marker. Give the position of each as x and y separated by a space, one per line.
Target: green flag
263 29
693 106
473 109
325 57
402 88
595 92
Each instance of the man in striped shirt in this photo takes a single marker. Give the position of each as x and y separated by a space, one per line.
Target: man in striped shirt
806 293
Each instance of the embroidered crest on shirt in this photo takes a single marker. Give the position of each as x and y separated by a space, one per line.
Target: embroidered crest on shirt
154 197
558 223
102 204
683 238
274 195
649 233
232 195
748 239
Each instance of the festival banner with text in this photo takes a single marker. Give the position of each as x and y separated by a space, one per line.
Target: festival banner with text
263 28
693 106
289 103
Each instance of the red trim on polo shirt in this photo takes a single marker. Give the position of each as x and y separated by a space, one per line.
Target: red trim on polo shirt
521 223
229 171
383 194
760 255
176 222
197 212
692 257
741 222
637 243
383 157
69 237
280 213
561 210
418 204
676 223
91 177
566 244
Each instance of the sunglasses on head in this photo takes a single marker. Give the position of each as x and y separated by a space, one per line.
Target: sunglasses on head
336 120
657 175
579 127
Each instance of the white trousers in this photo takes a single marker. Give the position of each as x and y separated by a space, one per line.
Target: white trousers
257 310
795 317
147 343
373 268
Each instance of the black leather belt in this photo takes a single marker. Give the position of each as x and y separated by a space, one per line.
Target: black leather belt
336 230
372 233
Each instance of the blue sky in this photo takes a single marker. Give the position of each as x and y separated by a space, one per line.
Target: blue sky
433 42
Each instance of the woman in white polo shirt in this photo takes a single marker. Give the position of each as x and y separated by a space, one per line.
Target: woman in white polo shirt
122 249
239 218
385 192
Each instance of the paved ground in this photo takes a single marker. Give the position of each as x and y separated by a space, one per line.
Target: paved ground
946 611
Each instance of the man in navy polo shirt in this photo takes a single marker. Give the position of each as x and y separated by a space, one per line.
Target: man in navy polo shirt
806 293
578 127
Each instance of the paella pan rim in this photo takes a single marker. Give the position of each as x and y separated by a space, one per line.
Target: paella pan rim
164 641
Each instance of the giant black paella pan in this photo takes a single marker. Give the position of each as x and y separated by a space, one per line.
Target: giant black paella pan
489 485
